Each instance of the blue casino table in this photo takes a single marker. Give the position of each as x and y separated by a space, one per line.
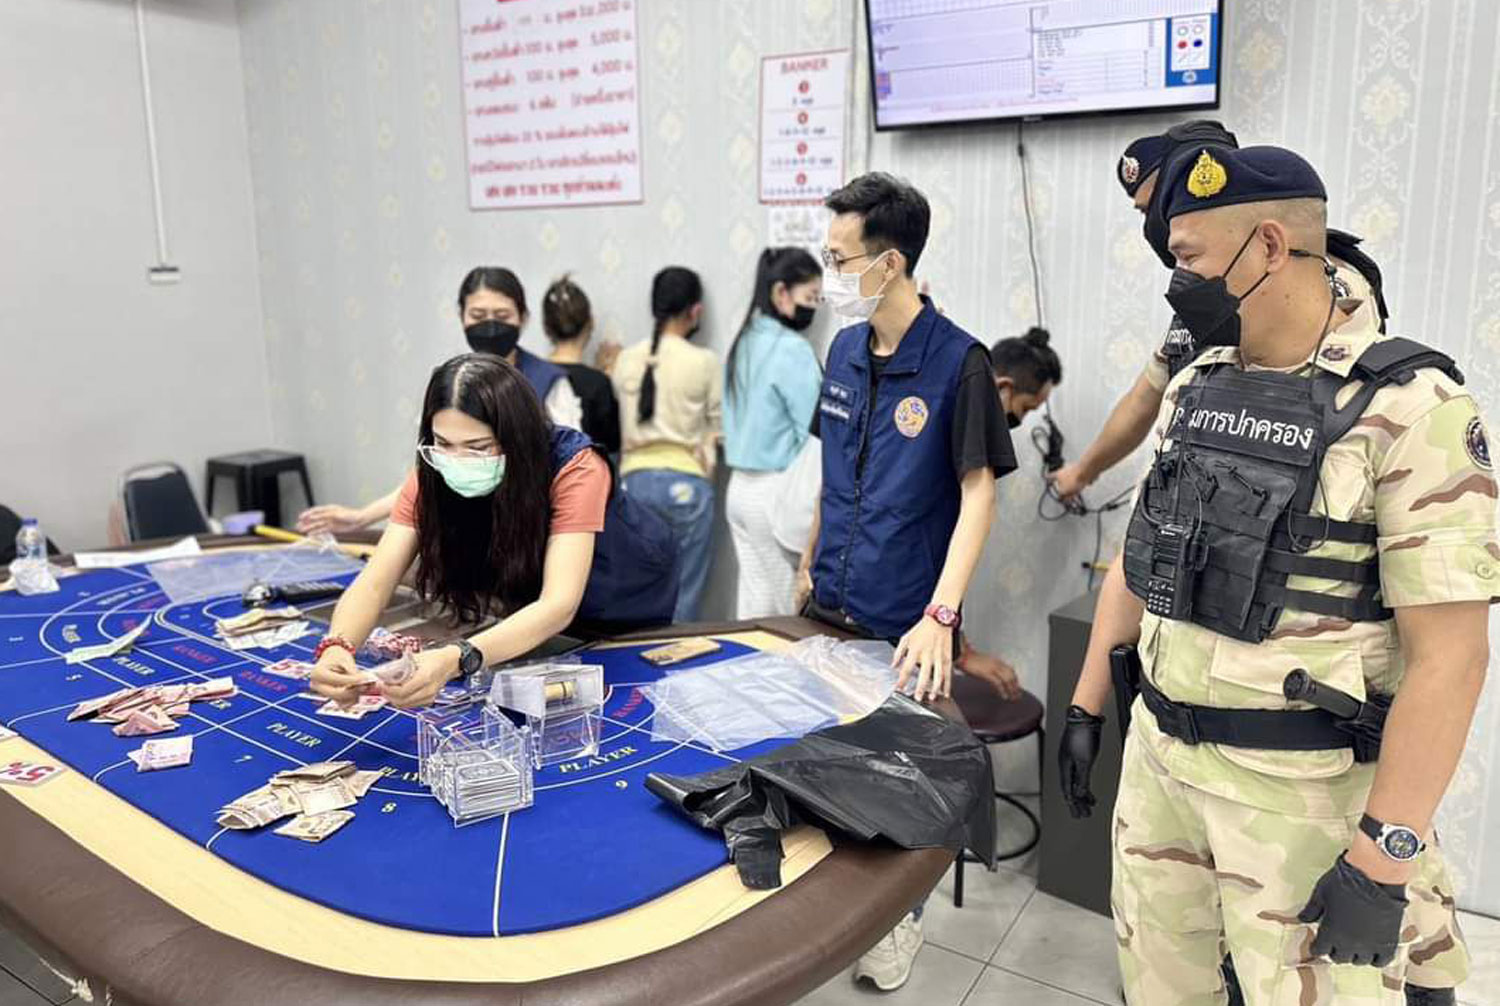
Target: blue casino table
597 893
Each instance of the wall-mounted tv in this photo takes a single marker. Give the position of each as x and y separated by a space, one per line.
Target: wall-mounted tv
938 62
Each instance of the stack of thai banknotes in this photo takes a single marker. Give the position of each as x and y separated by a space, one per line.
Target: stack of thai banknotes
316 797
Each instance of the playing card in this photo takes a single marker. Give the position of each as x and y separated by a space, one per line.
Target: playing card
26 773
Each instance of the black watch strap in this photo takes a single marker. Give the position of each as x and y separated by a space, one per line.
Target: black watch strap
1376 829
470 658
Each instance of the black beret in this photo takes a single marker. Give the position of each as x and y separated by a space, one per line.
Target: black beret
1148 153
1212 176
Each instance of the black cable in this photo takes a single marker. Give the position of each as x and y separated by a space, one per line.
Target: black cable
1036 271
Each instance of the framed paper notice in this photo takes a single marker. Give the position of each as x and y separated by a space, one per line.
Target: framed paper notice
803 101
551 103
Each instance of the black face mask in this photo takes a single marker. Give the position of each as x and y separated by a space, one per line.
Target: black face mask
497 338
1012 420
1206 306
802 316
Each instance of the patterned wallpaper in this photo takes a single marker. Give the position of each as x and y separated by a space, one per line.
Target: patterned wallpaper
356 138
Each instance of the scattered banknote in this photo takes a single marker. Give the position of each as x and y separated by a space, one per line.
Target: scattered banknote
255 620
315 791
266 639
169 752
99 651
141 722
356 710
318 771
296 670
315 827
151 709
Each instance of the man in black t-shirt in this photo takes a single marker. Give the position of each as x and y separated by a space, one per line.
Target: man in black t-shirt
1026 370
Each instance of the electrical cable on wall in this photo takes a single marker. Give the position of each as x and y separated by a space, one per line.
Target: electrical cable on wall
1036 270
163 271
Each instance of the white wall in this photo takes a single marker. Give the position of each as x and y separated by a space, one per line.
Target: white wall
100 370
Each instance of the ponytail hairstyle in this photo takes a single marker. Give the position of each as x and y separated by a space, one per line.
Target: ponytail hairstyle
566 312
791 266
674 292
1027 360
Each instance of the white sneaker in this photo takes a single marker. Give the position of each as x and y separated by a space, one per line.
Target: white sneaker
887 965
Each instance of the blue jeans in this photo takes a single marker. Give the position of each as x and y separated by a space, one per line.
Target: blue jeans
686 502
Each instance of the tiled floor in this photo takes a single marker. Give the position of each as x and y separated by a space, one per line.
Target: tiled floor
1010 945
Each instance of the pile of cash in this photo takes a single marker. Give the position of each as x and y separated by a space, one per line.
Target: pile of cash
356 710
167 752
317 794
262 628
141 711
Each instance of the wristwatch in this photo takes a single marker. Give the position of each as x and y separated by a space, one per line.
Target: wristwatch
1397 841
470 657
943 615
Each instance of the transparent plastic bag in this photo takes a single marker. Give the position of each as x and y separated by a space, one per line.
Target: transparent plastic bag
221 574
732 704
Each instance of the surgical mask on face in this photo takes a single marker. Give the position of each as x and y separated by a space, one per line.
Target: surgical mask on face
495 337
1207 308
841 292
470 477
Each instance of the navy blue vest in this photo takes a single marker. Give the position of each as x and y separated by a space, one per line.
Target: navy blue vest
539 373
633 579
885 530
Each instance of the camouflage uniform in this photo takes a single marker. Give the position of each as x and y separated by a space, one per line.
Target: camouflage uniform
1216 845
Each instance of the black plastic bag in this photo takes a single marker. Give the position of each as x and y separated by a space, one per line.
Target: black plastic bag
903 773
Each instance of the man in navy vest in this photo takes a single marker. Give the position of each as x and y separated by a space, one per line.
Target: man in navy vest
913 439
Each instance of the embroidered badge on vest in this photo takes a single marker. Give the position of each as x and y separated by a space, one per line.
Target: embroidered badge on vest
1207 178
1334 354
911 416
1477 444
1130 169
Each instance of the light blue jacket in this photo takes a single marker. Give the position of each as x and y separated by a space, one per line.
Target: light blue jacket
767 414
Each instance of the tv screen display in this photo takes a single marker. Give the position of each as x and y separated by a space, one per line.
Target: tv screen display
936 62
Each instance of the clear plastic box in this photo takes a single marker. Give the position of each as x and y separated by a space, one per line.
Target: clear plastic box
563 704
476 761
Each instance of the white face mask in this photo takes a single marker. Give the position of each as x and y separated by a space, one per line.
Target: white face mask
841 291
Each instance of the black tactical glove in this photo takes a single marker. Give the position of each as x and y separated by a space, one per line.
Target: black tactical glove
1361 920
1075 758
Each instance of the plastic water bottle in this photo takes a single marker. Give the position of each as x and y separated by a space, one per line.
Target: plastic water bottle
30 542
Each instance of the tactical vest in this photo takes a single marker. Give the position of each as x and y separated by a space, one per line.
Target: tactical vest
1178 348
1225 515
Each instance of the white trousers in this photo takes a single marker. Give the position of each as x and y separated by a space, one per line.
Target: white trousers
768 572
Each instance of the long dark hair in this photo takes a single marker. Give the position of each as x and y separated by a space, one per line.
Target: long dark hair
566 311
791 266
674 291
495 278
484 555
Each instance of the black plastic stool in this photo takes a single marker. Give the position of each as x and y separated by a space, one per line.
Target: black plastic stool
257 480
996 721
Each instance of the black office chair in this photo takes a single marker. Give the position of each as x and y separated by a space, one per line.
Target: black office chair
159 503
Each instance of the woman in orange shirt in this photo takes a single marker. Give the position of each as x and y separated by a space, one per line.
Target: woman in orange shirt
501 510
